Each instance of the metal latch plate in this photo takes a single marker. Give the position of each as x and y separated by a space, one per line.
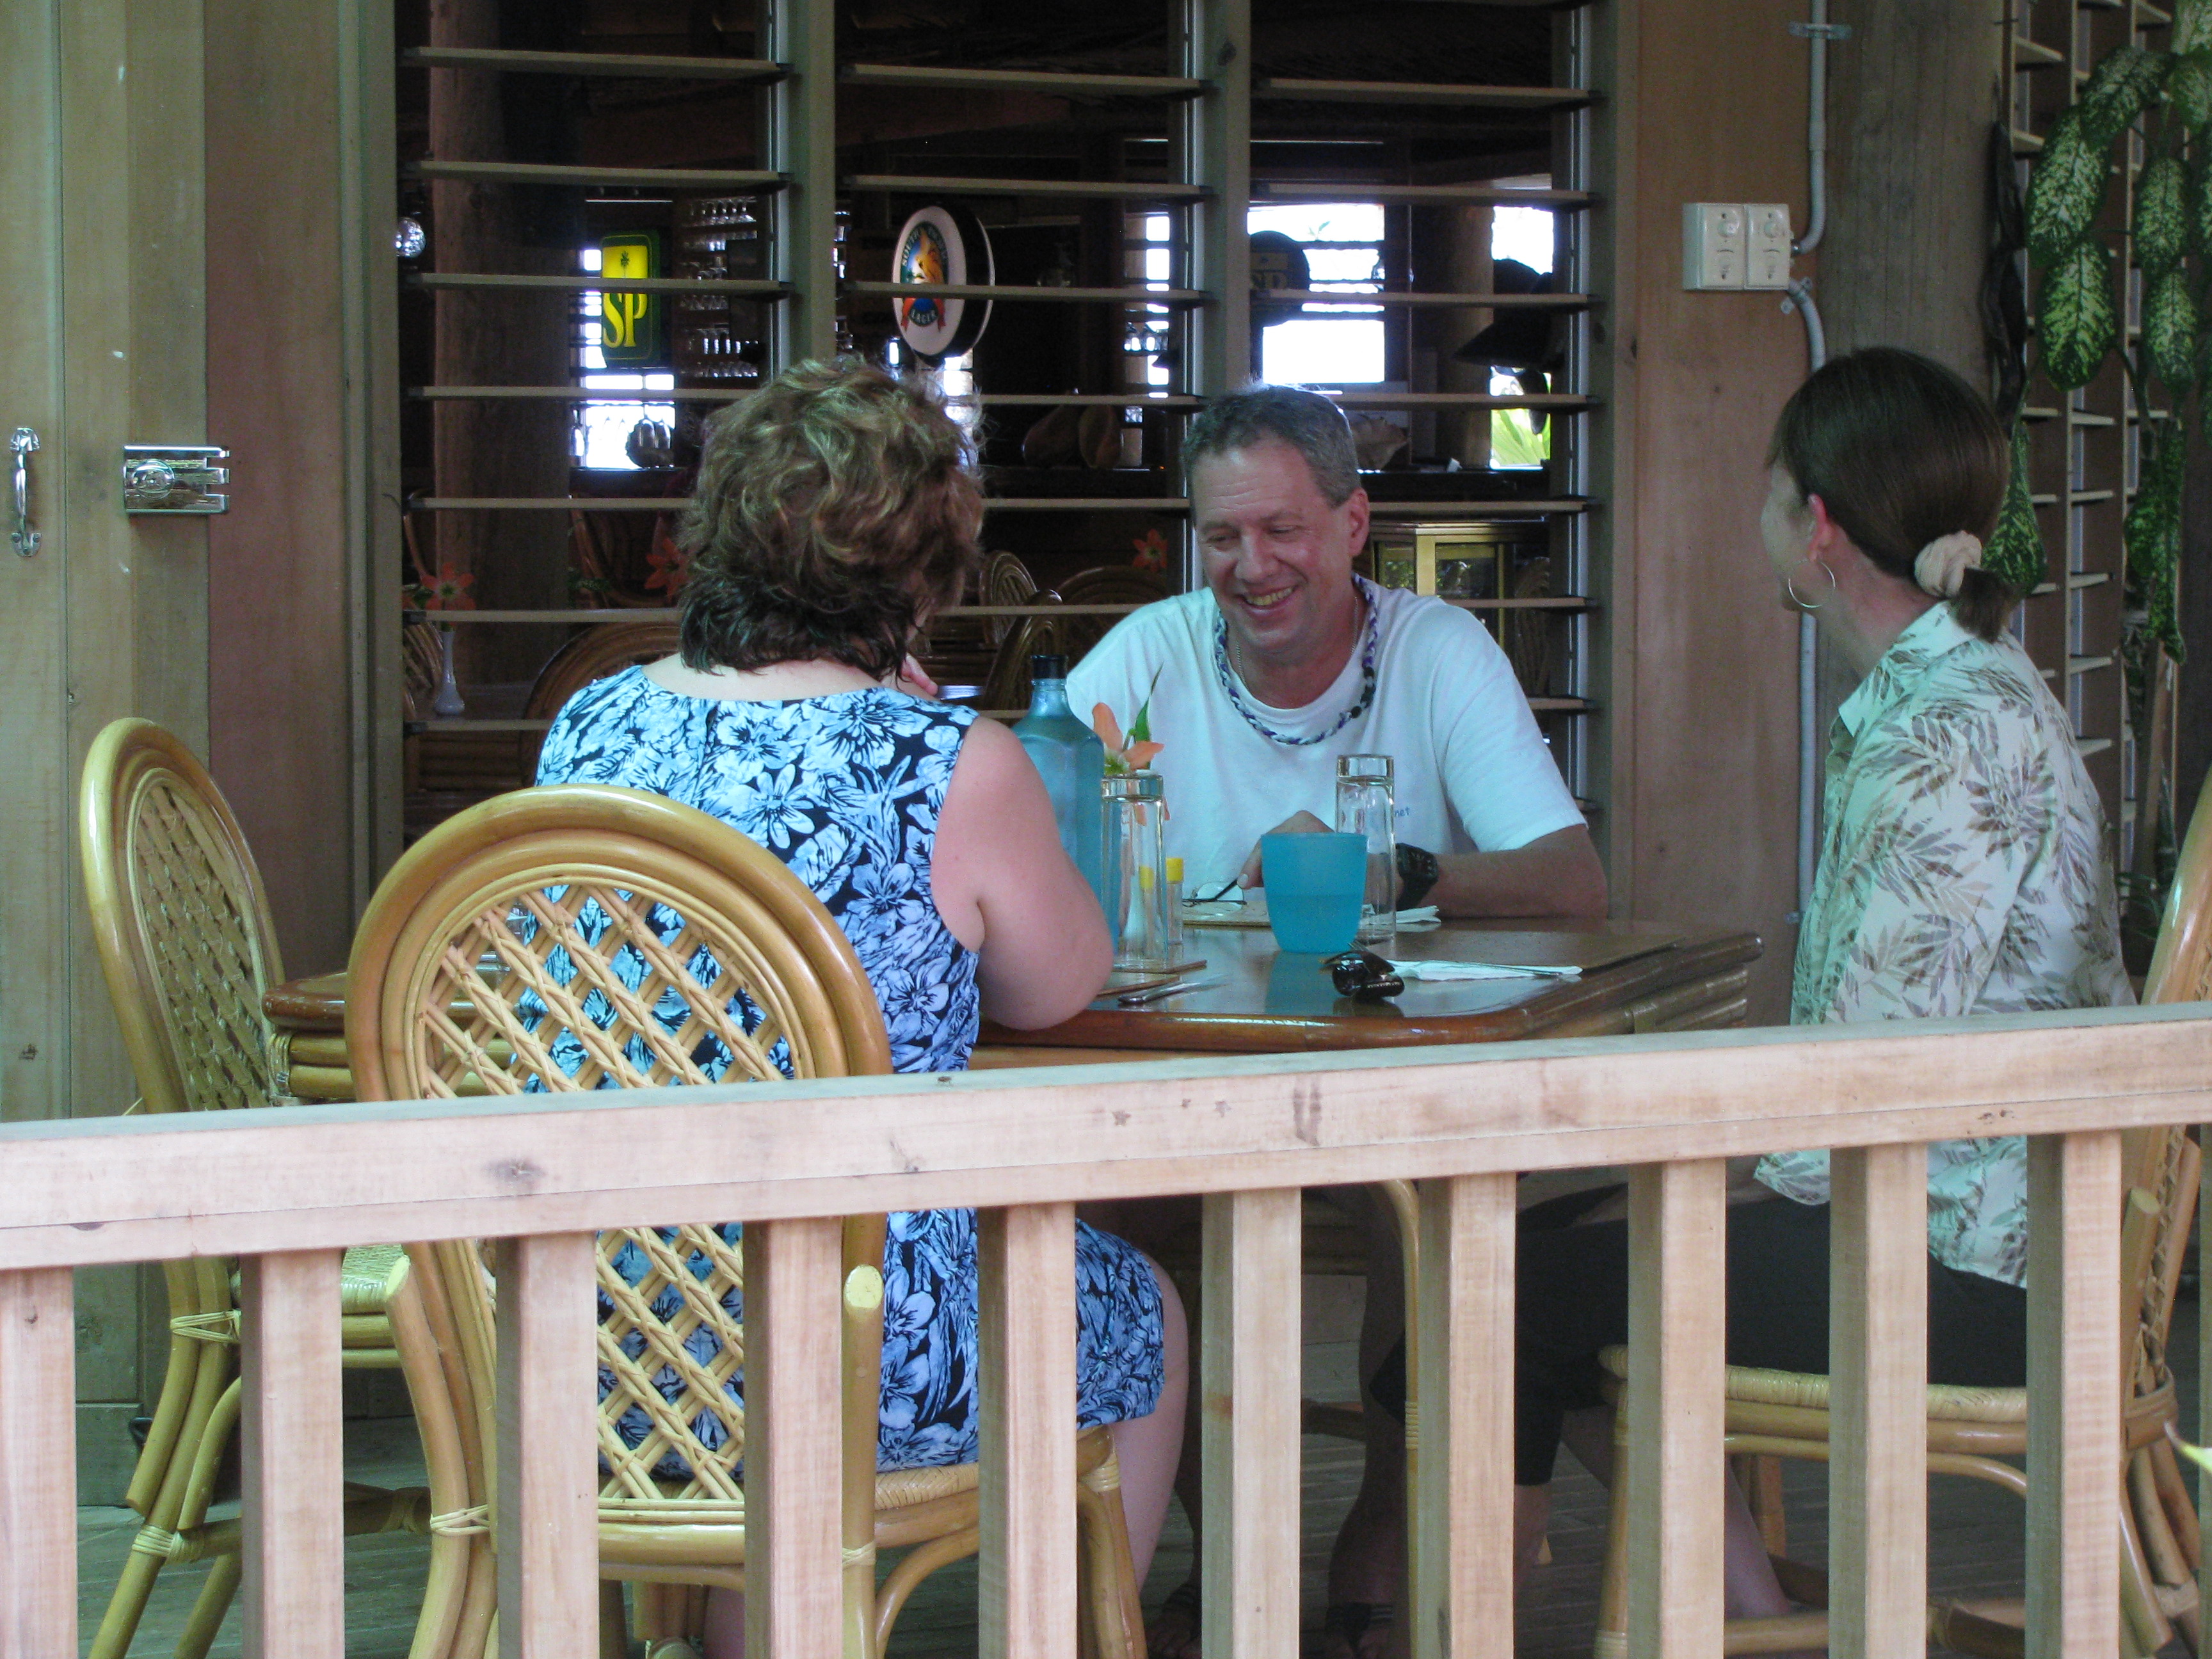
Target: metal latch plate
173 478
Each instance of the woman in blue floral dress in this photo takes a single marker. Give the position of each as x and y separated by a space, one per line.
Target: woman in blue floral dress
836 508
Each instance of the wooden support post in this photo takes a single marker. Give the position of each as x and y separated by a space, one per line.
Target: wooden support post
2074 1372
294 1447
1215 149
1248 1436
802 126
547 1515
794 1556
1878 1341
1677 1322
1027 1318
38 1463
1462 1592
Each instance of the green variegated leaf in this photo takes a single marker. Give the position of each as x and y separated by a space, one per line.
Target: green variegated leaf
2015 555
2153 534
2162 224
2189 89
2199 204
2123 86
2193 26
2066 189
2078 322
2170 328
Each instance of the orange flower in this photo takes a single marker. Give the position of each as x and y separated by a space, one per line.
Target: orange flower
670 565
1151 552
449 590
1123 754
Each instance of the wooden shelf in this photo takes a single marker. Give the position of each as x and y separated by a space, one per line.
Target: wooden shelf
574 394
2088 578
2034 55
591 281
2087 746
533 172
1414 195
1127 296
1045 81
1416 92
627 65
2086 664
1110 190
1399 297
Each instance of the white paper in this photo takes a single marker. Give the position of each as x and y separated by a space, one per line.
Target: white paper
1434 971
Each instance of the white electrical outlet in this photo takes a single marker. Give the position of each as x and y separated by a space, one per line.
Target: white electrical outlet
1766 225
1715 245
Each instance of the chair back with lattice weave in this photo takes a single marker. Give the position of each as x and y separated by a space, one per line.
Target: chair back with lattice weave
180 920
2162 1165
583 937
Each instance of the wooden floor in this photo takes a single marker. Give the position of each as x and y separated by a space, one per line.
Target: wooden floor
1975 1536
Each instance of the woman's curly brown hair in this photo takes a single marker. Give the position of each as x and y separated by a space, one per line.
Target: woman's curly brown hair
836 508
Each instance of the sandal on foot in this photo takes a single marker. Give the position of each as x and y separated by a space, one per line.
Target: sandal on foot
1363 1627
1172 1632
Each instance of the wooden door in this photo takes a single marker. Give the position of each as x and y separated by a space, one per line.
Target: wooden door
102 343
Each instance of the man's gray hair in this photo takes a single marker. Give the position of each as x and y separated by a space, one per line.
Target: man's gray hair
1304 420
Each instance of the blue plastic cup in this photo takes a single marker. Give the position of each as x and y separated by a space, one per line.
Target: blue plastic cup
1314 884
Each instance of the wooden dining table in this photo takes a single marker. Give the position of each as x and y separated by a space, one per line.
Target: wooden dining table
1630 977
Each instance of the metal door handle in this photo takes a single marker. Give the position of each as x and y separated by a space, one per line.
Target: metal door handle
26 539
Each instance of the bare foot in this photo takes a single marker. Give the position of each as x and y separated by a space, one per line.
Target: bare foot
1173 1632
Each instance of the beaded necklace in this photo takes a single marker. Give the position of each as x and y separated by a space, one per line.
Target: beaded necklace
1369 648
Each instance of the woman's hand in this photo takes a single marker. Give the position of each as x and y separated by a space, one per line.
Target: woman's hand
915 680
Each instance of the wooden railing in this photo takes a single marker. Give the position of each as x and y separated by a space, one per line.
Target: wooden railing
287 1190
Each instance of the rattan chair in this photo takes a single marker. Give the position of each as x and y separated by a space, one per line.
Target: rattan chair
1982 1432
184 935
590 657
449 992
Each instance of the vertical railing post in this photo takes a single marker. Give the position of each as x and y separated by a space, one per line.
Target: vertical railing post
1878 1368
1462 1591
547 1520
293 1455
1249 1441
1026 1315
2074 1373
795 1557
38 1463
1677 1326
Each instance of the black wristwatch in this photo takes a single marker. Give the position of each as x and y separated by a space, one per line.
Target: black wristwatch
1417 874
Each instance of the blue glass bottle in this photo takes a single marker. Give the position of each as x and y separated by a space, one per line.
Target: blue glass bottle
1072 760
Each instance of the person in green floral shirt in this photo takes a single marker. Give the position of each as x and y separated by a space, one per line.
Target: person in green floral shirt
1964 870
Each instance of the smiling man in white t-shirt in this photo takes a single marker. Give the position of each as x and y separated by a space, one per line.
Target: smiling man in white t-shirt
1287 660
1282 662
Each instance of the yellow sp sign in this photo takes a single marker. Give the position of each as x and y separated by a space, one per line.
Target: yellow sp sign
629 322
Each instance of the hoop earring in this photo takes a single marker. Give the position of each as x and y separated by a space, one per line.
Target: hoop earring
1790 585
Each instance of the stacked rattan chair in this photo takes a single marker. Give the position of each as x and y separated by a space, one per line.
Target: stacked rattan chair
476 961
1983 1432
185 938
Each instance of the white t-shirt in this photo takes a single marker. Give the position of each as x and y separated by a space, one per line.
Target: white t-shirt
1473 772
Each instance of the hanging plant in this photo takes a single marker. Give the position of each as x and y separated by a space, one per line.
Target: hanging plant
2166 96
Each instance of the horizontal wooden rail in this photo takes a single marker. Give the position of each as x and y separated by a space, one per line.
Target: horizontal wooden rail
1419 92
1288 189
286 1190
491 280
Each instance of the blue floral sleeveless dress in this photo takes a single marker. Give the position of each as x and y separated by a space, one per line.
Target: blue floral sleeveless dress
845 790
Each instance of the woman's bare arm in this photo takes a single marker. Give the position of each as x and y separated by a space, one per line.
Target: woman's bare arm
1007 889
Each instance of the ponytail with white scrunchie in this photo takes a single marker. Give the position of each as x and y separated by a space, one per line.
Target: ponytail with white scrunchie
1941 567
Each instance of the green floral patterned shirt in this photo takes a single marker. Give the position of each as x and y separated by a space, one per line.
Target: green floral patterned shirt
1964 871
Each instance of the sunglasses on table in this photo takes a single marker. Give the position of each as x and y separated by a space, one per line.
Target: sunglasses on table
1364 974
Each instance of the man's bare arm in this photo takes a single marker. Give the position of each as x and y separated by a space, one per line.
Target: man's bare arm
1554 875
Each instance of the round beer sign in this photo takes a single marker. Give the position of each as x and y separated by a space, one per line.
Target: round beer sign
945 245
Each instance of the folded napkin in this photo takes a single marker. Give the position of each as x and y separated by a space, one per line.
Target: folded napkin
1434 971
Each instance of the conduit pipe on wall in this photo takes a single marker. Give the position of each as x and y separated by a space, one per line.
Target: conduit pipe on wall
1817 31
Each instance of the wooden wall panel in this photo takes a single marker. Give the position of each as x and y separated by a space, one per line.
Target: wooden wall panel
283 596
1712 107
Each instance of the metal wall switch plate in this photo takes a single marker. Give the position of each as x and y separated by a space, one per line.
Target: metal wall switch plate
173 478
